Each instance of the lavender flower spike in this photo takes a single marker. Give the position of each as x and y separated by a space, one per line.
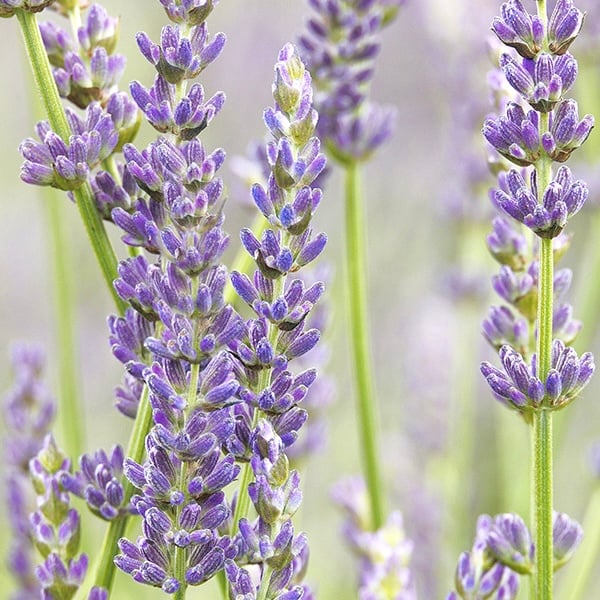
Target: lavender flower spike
28 413
384 554
55 526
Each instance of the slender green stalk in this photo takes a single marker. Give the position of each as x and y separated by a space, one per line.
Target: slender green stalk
105 571
542 418
581 566
542 473
356 273
71 412
58 121
542 492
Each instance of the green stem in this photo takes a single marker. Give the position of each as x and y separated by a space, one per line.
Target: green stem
105 572
542 473
579 572
542 418
264 583
58 121
356 273
71 412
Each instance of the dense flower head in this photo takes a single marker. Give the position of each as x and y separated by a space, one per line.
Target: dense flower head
518 29
340 45
178 57
542 81
559 201
478 575
67 165
99 483
9 7
525 32
518 387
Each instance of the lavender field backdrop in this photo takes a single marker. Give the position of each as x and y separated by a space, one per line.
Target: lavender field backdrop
449 451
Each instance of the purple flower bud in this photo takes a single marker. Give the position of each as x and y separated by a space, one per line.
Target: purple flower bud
564 26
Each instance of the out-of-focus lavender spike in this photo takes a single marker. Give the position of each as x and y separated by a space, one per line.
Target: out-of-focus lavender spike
28 413
385 554
340 45
55 525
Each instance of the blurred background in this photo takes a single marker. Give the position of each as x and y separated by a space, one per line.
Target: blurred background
428 275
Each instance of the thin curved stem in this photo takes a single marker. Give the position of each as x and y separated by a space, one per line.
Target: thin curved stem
356 274
105 572
71 411
84 199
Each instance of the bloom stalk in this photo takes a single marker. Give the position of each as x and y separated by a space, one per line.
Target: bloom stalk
56 115
363 369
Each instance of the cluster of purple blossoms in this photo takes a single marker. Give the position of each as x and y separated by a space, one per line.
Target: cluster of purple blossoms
55 528
540 77
532 137
503 550
174 338
268 420
86 72
339 46
29 410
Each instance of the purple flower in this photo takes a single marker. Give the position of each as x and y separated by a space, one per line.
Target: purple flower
339 46
99 483
566 537
559 201
189 12
67 165
510 542
518 386
564 26
28 413
518 29
477 576
541 81
55 531
515 135
177 57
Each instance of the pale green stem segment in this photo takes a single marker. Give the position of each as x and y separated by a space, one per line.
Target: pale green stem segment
105 572
58 121
264 584
577 578
356 274
70 412
542 418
